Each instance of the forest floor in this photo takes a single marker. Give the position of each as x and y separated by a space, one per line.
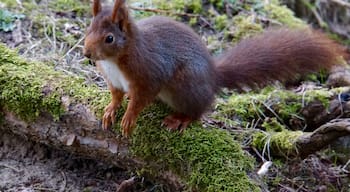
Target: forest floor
26 166
56 37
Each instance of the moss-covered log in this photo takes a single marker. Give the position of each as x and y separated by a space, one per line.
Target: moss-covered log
63 111
298 144
290 123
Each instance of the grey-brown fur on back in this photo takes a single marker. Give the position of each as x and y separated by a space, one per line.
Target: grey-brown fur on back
186 61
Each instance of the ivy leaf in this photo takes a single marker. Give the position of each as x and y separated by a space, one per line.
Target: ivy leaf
7 20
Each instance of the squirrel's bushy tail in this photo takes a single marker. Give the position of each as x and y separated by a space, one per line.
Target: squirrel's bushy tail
276 55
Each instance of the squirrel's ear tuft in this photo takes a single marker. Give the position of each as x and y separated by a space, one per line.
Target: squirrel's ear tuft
120 12
96 7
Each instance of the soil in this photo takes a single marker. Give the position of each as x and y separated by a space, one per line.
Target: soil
26 166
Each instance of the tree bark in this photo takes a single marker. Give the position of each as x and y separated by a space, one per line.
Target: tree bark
309 143
79 132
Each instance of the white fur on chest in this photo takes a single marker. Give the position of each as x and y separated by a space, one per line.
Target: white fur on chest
114 75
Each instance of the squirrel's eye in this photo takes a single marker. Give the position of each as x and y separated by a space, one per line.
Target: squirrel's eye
109 39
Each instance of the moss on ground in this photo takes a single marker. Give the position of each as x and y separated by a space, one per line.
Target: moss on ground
282 105
244 26
79 7
279 143
57 22
283 15
29 88
207 159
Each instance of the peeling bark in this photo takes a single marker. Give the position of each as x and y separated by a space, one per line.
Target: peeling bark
78 132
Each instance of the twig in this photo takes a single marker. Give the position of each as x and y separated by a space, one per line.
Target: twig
273 112
342 3
43 189
314 11
258 154
126 184
163 11
75 46
344 167
267 147
46 34
52 20
10 167
64 181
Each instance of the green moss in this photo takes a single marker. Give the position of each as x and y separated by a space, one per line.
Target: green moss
282 105
283 15
217 3
9 3
207 159
27 91
221 22
180 5
79 7
280 143
272 125
244 26
20 91
241 107
193 21
29 7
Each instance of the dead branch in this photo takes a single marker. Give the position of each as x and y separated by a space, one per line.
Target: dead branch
341 3
309 143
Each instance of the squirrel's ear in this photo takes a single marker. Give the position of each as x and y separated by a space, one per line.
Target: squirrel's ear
96 7
119 12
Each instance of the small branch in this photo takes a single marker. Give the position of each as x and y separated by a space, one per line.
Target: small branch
10 167
312 8
126 185
321 137
289 144
75 46
341 3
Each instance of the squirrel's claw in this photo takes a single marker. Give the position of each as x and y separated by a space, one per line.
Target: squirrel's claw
128 123
109 115
108 119
176 122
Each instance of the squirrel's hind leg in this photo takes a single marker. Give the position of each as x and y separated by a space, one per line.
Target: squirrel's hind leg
176 122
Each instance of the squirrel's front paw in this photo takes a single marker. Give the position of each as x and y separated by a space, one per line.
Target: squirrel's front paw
109 115
128 123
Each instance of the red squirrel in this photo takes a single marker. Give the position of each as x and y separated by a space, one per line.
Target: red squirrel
158 57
